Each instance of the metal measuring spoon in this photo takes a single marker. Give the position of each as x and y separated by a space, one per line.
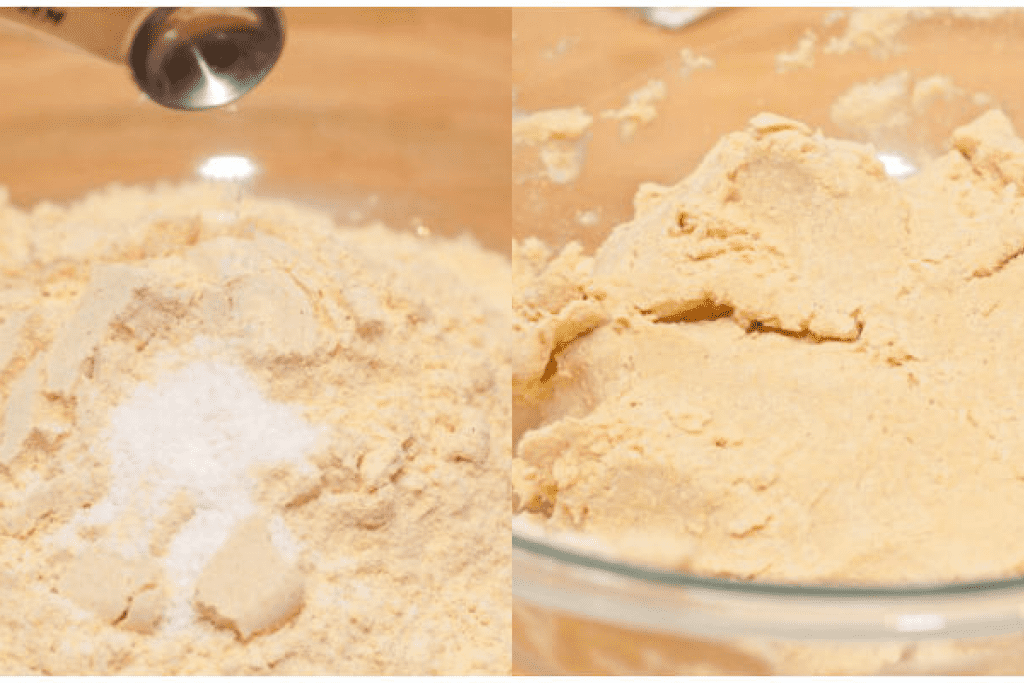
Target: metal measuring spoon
188 58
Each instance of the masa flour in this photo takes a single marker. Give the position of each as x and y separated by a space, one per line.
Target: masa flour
238 438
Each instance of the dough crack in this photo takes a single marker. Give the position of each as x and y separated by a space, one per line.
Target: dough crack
705 311
806 334
710 310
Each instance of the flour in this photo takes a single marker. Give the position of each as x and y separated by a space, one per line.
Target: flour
192 381
197 433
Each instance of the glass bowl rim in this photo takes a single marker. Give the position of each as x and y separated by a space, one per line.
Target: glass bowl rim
561 554
583 585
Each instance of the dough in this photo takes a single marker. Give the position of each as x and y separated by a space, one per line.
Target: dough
878 29
693 62
116 590
550 124
788 366
640 108
800 57
248 586
558 134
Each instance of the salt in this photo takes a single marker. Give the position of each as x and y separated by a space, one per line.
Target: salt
199 429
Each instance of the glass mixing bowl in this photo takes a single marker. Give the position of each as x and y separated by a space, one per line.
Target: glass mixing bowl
578 612
389 114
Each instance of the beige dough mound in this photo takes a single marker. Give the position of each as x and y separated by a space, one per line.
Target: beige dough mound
788 366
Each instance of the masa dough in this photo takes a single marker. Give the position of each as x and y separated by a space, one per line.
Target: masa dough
893 104
693 62
557 133
379 552
788 366
550 124
639 110
877 29
248 586
800 57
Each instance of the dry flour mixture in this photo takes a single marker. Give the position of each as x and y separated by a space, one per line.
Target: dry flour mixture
789 366
238 438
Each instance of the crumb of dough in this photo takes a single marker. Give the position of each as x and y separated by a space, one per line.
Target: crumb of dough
783 336
550 124
800 57
558 132
589 218
872 29
639 110
248 586
875 105
833 16
692 62
877 29
145 610
108 586
562 164
890 107
560 48
175 359
932 89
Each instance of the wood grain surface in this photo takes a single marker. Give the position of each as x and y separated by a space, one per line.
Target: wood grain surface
399 114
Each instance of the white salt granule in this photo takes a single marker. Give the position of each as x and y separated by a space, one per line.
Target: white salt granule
199 429
202 427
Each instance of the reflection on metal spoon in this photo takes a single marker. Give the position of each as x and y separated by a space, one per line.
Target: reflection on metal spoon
213 89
